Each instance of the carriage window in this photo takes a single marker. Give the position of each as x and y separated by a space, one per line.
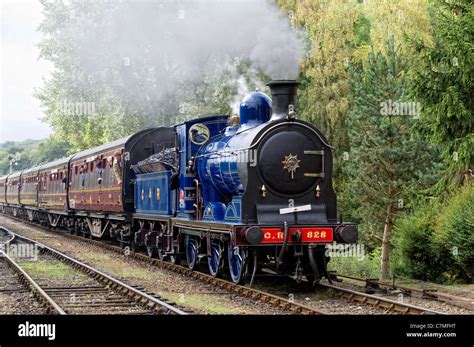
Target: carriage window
75 170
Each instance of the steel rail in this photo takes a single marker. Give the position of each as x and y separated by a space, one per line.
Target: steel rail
132 293
383 303
247 292
425 293
51 306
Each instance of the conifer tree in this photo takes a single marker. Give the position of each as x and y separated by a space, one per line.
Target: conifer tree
443 83
386 161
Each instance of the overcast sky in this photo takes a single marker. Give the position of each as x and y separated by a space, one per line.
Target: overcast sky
21 71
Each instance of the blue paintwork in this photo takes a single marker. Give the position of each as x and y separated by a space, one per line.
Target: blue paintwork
233 213
256 108
214 212
146 197
188 150
221 162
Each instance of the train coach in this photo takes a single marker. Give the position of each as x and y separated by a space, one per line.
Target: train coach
245 195
3 192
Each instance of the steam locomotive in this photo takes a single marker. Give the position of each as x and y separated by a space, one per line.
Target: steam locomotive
245 195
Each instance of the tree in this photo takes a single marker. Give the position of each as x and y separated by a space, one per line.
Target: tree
29 153
443 83
50 149
398 19
122 67
325 94
387 162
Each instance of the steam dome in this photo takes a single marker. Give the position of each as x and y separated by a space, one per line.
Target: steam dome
256 108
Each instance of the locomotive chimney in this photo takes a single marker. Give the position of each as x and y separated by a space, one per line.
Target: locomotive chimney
283 95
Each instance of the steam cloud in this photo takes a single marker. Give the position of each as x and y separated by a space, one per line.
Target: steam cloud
189 34
179 42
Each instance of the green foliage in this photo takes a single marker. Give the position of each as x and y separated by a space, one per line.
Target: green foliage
413 248
443 83
436 243
367 266
51 149
362 31
454 233
22 153
31 152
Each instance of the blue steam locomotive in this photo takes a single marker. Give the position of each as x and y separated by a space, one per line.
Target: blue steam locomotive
255 190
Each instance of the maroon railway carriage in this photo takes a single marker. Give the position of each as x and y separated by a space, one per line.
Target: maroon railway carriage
52 191
94 184
29 191
3 191
12 193
3 186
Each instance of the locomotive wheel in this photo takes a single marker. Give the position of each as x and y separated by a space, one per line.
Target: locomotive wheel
237 264
215 260
191 245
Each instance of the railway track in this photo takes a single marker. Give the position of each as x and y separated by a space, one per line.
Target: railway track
387 305
384 304
83 289
373 284
16 285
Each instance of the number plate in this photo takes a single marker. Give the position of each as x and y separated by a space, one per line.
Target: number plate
277 235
